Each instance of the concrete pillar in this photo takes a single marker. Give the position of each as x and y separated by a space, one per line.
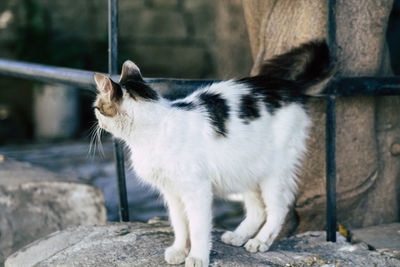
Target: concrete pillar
56 111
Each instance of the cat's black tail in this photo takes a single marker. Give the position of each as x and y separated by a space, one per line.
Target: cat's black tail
309 63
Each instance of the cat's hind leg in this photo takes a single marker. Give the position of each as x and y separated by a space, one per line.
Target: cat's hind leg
255 217
278 194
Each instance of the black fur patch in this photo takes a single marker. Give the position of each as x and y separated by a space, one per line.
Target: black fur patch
248 109
218 111
286 78
184 105
275 92
309 61
138 89
117 91
319 65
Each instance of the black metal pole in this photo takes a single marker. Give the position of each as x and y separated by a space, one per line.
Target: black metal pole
112 68
331 168
112 36
331 133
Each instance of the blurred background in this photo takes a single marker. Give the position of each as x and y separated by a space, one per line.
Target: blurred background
49 125
165 38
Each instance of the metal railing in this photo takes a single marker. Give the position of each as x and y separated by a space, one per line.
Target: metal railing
330 132
112 70
175 88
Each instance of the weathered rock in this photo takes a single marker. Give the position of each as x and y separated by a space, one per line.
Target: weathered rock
367 165
140 244
231 39
14 173
35 202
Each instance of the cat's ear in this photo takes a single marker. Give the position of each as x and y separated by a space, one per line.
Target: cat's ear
107 87
130 72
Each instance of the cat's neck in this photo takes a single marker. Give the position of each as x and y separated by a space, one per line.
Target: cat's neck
146 125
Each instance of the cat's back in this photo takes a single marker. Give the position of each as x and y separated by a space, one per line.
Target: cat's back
240 107
237 118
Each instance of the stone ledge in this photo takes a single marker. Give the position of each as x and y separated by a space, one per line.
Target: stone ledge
384 236
15 173
35 202
141 244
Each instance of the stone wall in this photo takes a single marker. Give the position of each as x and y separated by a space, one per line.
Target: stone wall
171 38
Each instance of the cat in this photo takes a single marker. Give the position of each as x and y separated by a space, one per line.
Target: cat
237 136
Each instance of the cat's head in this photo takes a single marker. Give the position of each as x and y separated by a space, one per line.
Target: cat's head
115 103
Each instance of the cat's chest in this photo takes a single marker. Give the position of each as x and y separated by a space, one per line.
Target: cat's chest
150 165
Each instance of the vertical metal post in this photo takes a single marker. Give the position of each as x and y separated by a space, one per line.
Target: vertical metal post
331 132
112 68
331 168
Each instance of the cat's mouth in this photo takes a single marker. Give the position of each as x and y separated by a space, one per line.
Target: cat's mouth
101 125
99 122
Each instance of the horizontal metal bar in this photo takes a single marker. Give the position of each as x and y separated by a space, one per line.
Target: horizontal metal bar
173 88
169 88
50 74
364 86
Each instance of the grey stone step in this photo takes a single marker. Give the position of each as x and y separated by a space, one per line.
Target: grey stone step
141 244
385 236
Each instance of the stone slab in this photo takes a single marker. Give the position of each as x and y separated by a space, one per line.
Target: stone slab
14 173
141 244
385 236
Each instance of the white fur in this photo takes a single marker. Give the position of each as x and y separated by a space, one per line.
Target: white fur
178 152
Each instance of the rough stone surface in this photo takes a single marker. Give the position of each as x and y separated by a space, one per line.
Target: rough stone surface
367 171
232 36
35 202
14 173
183 56
140 244
159 23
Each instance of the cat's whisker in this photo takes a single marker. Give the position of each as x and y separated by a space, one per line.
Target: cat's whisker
92 143
91 135
99 143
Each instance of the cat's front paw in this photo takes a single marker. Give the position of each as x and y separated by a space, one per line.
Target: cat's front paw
195 262
233 239
254 245
175 256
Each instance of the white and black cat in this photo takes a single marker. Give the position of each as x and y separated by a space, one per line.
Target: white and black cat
242 136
